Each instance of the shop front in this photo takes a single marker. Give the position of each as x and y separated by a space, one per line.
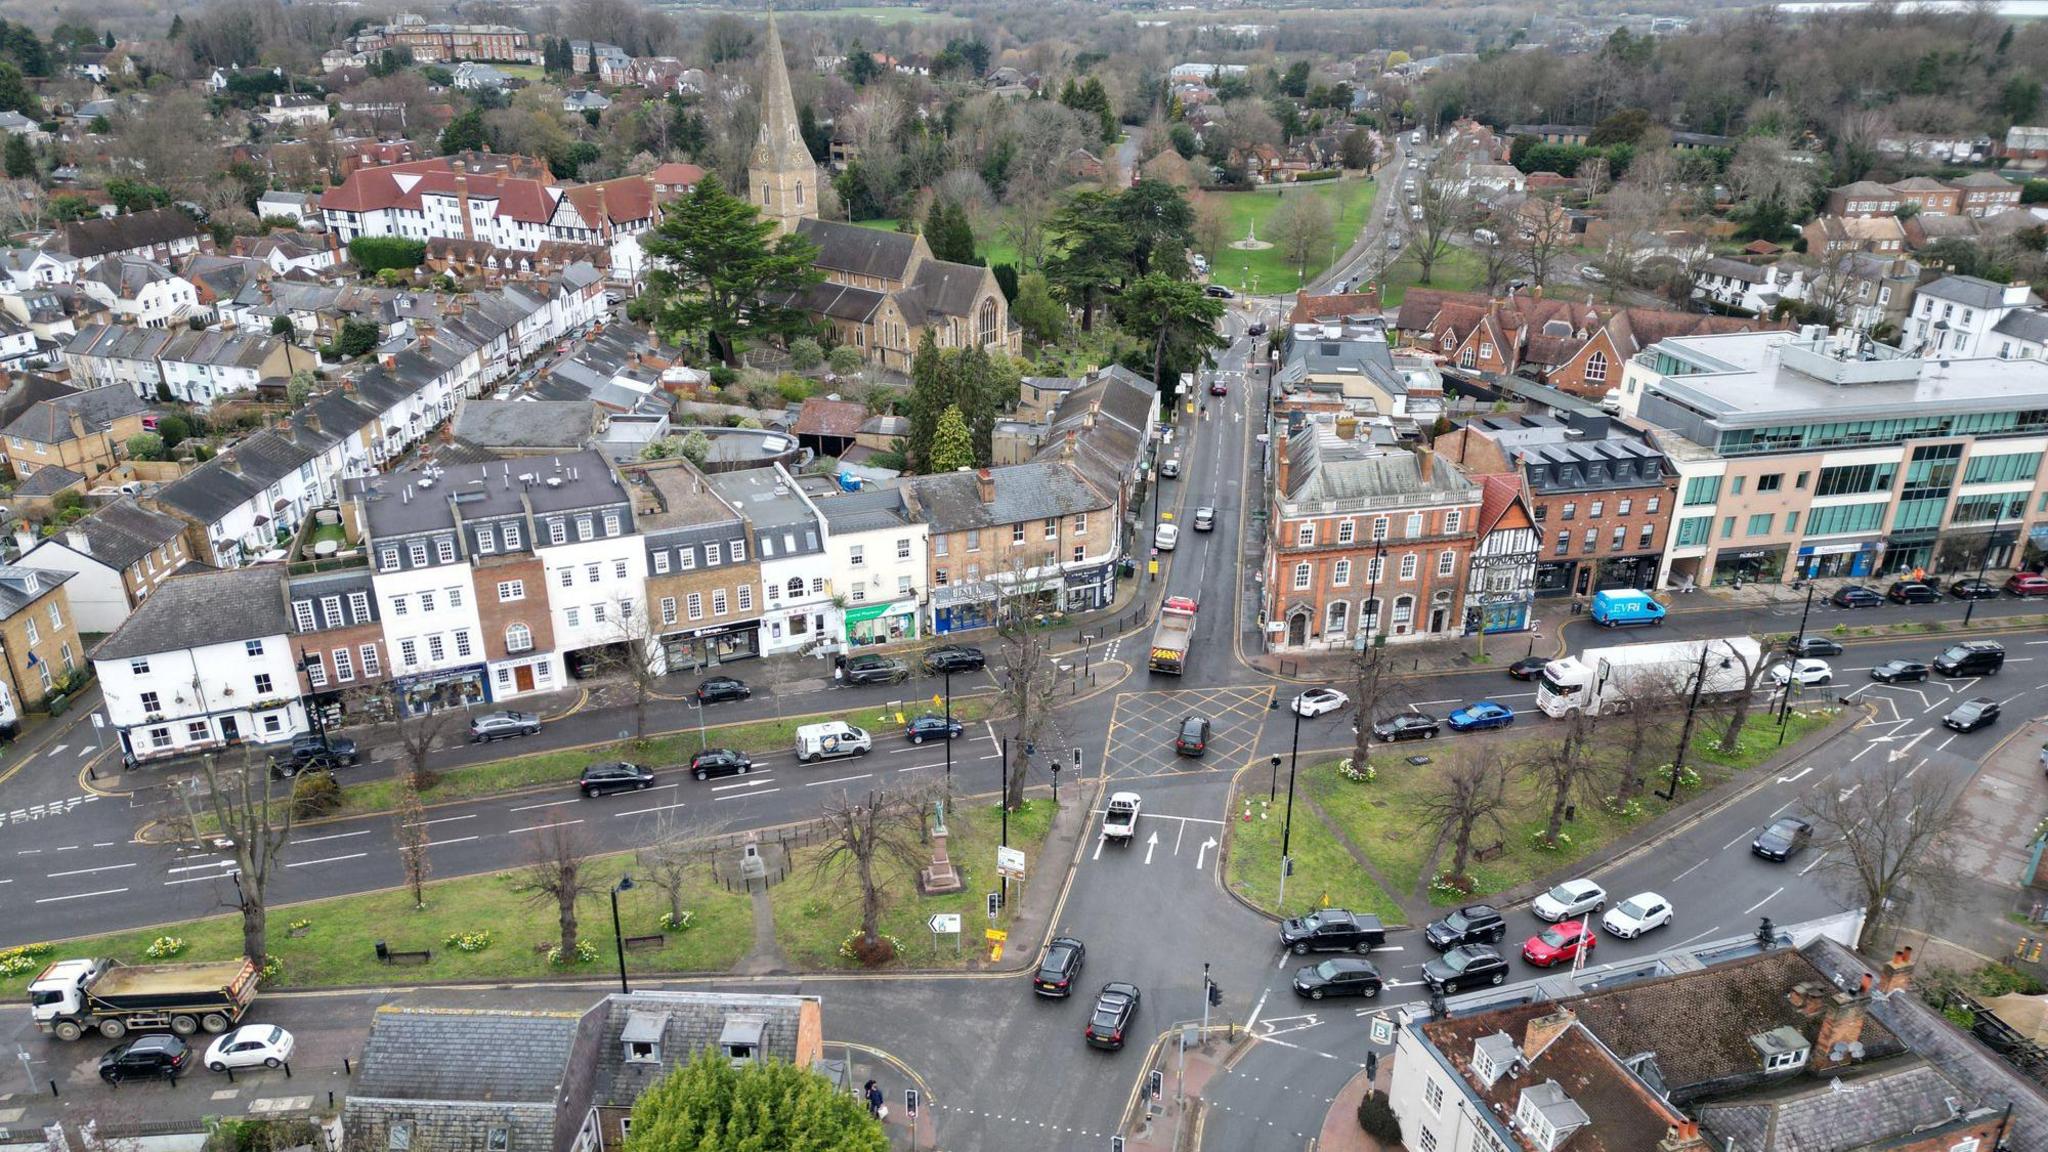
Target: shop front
448 688
963 607
1498 612
1971 550
696 648
1638 572
1751 565
1555 579
1846 559
1090 588
871 624
1904 552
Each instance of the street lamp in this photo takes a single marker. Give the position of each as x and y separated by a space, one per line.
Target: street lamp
1984 564
949 726
1287 822
625 884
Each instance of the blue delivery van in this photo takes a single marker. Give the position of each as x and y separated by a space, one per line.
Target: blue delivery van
1621 607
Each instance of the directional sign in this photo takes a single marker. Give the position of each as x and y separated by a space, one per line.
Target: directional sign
1010 862
1382 1030
945 922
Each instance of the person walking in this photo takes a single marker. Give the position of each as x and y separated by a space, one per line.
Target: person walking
873 1092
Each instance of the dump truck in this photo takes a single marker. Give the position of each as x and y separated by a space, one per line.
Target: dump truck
70 997
1175 632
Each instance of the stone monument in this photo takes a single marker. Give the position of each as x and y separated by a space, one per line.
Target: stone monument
941 877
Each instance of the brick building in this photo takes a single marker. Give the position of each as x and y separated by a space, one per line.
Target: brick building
1038 530
703 569
337 639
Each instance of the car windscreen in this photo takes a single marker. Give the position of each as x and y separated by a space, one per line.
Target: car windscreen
1633 910
1564 894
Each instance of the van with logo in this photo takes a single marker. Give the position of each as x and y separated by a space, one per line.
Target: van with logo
832 740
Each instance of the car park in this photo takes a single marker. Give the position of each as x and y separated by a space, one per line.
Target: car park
1166 538
954 658
1528 668
1972 714
1062 963
1812 646
1205 519
503 726
1332 930
1972 588
874 668
1637 915
613 776
722 688
719 762
1971 658
154 1057
1898 671
1317 701
1783 840
1472 924
1911 592
1855 596
1807 673
1405 726
1571 898
1465 967
1193 737
1338 976
1481 715
2026 584
1558 944
1115 1007
932 726
250 1046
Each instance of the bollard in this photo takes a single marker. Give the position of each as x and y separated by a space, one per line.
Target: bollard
54 1092
287 1069
231 1074
345 1069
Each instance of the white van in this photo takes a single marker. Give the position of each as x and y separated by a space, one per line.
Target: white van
830 741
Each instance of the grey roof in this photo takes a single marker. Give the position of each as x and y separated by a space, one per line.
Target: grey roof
1856 1107
860 251
686 1023
948 289
838 301
2030 324
1371 359
869 510
1990 180
1733 269
28 389
783 523
49 421
128 275
48 480
951 501
1971 291
1323 467
223 349
22 586
526 423
506 1055
121 533
1555 1104
118 342
395 504
99 237
195 611
1591 465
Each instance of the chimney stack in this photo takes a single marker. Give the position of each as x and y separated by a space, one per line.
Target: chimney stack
1683 1136
1543 1029
1897 972
1841 1023
985 482
1067 452
78 541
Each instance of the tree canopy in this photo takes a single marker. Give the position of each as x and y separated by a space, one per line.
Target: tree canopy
977 385
713 1104
722 273
1176 321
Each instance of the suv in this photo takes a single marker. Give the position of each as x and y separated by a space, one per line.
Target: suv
501 725
614 776
1193 739
875 669
1332 930
1855 596
341 748
1812 646
1063 960
306 755
1472 924
1971 658
954 658
2024 584
146 1058
1911 592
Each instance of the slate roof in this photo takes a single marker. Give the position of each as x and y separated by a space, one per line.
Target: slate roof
29 389
14 581
49 421
944 288
858 251
1971 291
195 611
1857 1107
47 481
526 423
121 533
118 342
689 1022
102 236
1322 467
2030 324
1733 269
1032 491
838 301
1988 180
127 276
1371 359
1624 1116
869 510
506 1055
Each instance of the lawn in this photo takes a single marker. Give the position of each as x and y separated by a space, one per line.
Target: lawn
1460 270
531 73
1350 202
338 944
814 914
992 250
1325 875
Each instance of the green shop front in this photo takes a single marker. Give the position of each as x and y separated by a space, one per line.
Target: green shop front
889 622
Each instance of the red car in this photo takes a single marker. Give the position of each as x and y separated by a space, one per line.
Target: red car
2025 584
1218 388
1558 944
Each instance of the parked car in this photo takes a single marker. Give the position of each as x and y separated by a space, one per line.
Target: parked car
157 1057
1911 592
1338 976
1855 596
1056 972
1205 519
1193 738
285 765
342 748
1115 1006
2026 584
1528 668
1465 967
613 776
954 658
1637 915
1481 715
1317 701
1332 930
1812 646
718 688
1972 714
1166 538
1170 467
1590 273
1972 588
874 668
1807 673
1783 840
1898 671
1258 328
250 1046
1558 944
502 726
1971 658
719 762
1571 898
1472 924
932 726
1405 726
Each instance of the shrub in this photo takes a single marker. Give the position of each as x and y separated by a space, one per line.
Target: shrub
793 389
845 360
315 794
23 958
804 354
1377 1118
723 376
373 254
164 947
1319 174
145 446
585 953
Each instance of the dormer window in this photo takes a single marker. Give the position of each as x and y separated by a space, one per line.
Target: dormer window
740 1039
399 1139
641 1036
499 1139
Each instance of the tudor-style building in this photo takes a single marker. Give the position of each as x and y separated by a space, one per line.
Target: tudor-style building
1501 582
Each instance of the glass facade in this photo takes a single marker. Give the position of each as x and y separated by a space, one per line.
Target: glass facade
1855 479
1701 490
1871 433
1692 531
2007 469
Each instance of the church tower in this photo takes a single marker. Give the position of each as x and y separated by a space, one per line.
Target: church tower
782 179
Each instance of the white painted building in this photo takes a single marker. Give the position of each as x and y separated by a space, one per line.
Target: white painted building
875 550
797 578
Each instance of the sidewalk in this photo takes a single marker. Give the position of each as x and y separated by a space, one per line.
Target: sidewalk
1987 908
1454 654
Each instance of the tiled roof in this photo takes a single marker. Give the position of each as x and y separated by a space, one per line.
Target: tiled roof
195 611
101 236
822 417
121 533
21 586
951 502
1854 1108
526 423
505 1055
49 421
47 481
858 251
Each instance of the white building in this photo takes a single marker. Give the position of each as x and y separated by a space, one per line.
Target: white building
142 292
1964 316
875 548
594 561
117 556
796 571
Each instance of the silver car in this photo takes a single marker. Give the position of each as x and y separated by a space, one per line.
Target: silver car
501 725
1205 518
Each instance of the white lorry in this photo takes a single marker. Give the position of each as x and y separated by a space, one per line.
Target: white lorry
830 741
1120 819
1610 679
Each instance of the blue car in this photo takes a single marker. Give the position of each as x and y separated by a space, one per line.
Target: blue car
1481 715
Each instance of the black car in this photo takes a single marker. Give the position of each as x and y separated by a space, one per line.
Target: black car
146 1058
1406 726
1332 930
1063 960
1472 924
1528 668
1783 839
1972 714
1972 588
1193 738
1812 646
285 765
1911 592
1856 596
1338 976
342 748
1219 292
1115 1006
875 669
932 727
613 776
954 658
1257 329
1462 968
722 688
1898 671
719 762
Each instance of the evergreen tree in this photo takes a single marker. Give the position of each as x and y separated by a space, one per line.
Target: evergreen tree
981 387
1176 323
1090 247
14 93
721 272
948 234
177 27
817 138
860 65
21 159
1036 311
714 1104
952 445
465 133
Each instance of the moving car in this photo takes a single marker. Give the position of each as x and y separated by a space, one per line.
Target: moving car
1971 658
2025 584
1588 272
1898 671
1527 668
1637 915
1338 976
1571 898
874 668
1558 944
1783 839
1472 924
1120 816
954 658
932 726
1855 596
1462 968
722 688
1911 592
1063 960
1405 726
250 1046
1166 538
1219 292
1806 672
1115 1006
1972 588
719 762
502 725
1317 701
1971 714
1481 715
1193 738
146 1058
1218 388
1205 518
1812 646
1258 328
831 740
1332 930
1170 467
614 776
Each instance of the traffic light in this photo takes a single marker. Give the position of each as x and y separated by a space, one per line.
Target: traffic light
1215 994
910 1102
1372 1066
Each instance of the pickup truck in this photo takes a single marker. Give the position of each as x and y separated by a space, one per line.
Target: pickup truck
1120 819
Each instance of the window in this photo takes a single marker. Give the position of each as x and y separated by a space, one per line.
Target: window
34 637
1446 562
1305 536
1426 1140
940 546
597 614
485 542
817 585
445 549
1648 533
745 593
1404 612
1052 528
344 667
661 562
1379 528
1408 566
1340 574
462 642
718 603
1080 523
1453 521
593 572
856 555
1596 508
573 617
437 649
1017 533
1653 503
510 590
557 532
1620 537
1770 483
1375 568
938 577
1302 573
499 1140
419 553
408 653
372 666
1704 490
399 1138
1592 538
151 704
139 666
1564 542
1569 510
1760 524
1346 531
159 737
1596 368
197 731
1735 484
584 529
694 605
387 559
1727 527
686 559
611 523
713 555
1693 530
358 607
1414 525
1433 1095
426 601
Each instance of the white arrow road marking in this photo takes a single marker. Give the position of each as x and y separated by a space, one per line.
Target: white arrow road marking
1271 1027
1099 842
1843 795
1202 853
1794 779
211 864
1815 864
1151 844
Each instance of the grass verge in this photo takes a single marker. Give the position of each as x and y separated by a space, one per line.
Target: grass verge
1350 203
1325 875
1460 270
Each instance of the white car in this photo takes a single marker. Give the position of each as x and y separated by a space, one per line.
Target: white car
250 1046
1807 671
1589 273
1569 899
1637 915
1317 701
1167 536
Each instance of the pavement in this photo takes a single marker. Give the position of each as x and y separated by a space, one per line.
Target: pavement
1986 909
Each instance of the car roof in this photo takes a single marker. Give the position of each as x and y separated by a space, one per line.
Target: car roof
1646 898
1120 988
1115 796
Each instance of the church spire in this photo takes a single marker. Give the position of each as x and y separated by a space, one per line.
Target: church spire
782 179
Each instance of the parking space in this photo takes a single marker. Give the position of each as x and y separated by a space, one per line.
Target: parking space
1143 726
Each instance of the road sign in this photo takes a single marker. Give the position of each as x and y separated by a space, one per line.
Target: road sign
995 935
937 702
99 721
1382 1030
1010 863
945 922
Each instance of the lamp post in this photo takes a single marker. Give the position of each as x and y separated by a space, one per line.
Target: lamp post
949 727
1785 704
1984 564
625 884
1287 822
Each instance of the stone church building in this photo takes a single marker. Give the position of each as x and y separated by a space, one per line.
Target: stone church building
882 290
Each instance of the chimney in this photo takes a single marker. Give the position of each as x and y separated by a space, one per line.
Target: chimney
1841 1023
77 426
78 541
263 286
1283 461
1067 452
462 205
1425 464
1538 1034
1683 1136
1807 998
985 482
1897 972
233 465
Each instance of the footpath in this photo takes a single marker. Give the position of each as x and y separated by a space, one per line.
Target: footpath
1988 909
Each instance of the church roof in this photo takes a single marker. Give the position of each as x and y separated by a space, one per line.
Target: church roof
858 251
949 289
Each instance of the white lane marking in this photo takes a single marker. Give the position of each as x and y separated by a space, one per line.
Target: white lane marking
90 871
327 860
837 780
1815 864
747 795
549 804
209 865
1785 805
644 811
202 879
1738 840
753 783
82 895
1760 903
334 836
1202 853
442 820
1943 746
544 827
59 748
454 840
1690 871
1256 1009
1151 845
1699 936
69 848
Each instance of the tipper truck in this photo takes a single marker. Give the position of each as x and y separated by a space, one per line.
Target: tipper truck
1602 680
1171 639
71 996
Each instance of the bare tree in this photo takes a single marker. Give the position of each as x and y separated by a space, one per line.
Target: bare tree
861 839
557 872
410 818
1368 684
1026 676
1743 698
1302 228
255 820
680 847
1445 211
630 656
1543 235
1471 794
418 733
1881 836
1642 712
22 205
1567 772
1499 254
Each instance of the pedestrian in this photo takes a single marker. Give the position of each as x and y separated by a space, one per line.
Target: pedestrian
873 1092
